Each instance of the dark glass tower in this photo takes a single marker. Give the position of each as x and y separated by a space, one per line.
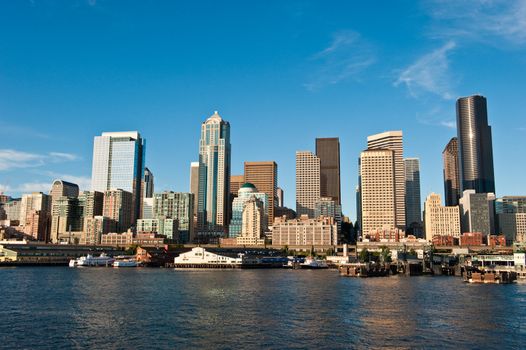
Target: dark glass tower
451 173
328 150
475 148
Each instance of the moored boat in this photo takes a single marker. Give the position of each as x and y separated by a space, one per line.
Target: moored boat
122 261
92 261
312 263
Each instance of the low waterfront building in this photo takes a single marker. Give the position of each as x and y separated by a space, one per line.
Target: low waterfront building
471 238
149 239
201 256
157 256
117 239
385 234
440 240
49 254
322 231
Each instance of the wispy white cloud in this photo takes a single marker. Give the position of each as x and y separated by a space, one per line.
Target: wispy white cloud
347 55
4 188
429 73
13 159
450 124
489 21
58 156
437 116
29 187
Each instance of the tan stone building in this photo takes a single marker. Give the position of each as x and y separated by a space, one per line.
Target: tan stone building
252 227
377 183
322 231
440 220
307 183
393 140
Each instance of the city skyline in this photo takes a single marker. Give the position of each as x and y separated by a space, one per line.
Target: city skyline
167 114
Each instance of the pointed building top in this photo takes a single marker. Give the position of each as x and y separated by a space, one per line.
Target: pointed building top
215 117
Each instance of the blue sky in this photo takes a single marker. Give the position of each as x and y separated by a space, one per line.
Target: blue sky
281 72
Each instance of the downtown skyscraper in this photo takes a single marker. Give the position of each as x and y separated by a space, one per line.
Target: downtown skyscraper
214 178
413 205
451 173
264 175
328 150
307 183
475 145
393 140
118 163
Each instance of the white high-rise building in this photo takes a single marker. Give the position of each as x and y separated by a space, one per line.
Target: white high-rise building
393 140
254 223
118 163
377 190
307 183
214 178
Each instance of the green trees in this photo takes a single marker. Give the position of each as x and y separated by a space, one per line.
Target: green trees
364 256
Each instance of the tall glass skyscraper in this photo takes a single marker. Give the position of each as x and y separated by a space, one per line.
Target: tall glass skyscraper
214 178
413 206
475 146
451 173
118 163
328 150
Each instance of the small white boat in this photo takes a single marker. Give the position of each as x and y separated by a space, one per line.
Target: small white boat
90 260
311 263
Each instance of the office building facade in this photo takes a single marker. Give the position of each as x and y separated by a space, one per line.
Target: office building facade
178 206
264 175
440 220
393 140
118 163
477 212
451 173
214 178
413 207
377 190
307 183
475 146
328 151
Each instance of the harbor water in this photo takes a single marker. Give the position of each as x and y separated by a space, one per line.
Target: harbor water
107 308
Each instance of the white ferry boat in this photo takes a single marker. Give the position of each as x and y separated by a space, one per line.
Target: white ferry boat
90 260
126 261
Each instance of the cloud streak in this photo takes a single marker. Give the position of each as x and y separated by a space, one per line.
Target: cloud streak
12 159
488 21
429 73
347 55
